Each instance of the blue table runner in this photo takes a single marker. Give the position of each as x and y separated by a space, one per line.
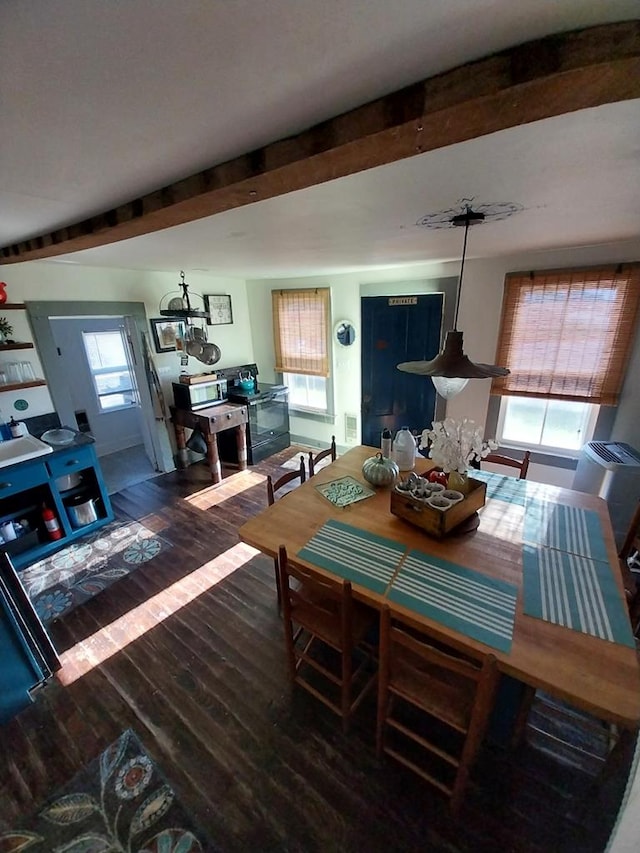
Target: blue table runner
473 604
511 490
355 555
576 592
565 528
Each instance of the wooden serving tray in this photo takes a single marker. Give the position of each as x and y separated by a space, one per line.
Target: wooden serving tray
435 522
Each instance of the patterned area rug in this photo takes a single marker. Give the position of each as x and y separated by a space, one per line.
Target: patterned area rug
64 580
119 801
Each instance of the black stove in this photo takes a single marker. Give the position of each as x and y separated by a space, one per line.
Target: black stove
268 411
265 390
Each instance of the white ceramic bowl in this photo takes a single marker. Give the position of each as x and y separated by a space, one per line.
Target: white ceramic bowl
438 502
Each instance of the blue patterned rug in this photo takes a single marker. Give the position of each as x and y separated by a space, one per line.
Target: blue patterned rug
119 801
73 575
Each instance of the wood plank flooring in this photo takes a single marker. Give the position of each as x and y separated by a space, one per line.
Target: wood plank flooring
205 689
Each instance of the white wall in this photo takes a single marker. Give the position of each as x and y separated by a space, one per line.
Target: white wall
49 281
479 316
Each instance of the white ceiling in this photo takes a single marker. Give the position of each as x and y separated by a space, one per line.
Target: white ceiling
103 102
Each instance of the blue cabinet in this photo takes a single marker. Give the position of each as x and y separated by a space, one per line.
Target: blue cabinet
59 481
28 658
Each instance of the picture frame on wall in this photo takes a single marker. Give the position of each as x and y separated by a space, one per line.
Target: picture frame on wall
218 306
166 331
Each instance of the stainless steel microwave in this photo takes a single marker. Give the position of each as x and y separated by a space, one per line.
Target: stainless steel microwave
199 395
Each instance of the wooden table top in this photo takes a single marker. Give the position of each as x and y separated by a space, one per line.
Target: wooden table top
593 674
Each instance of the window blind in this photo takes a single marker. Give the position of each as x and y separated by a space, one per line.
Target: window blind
567 334
301 331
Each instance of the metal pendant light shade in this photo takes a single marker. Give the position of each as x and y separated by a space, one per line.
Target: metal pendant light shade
451 369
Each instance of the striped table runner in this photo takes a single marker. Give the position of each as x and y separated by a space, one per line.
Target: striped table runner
355 555
574 591
502 488
565 528
479 607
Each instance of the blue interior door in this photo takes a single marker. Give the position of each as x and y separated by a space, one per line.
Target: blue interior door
397 329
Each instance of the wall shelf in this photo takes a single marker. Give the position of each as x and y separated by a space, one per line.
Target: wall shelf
17 386
15 346
12 306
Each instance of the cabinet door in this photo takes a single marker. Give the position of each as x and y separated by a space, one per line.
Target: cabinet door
29 658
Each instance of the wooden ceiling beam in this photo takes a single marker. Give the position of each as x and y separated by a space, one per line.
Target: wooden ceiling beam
555 75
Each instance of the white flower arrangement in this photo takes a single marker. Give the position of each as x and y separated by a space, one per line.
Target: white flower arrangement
454 444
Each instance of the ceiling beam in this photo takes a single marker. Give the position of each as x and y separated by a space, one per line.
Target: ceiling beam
548 77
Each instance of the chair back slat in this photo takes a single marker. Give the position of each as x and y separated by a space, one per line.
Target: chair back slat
274 485
500 459
323 454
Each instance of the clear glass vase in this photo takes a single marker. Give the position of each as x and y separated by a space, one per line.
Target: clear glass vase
459 482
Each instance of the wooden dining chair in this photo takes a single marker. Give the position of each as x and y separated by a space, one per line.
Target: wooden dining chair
629 555
445 689
272 487
323 454
521 464
326 638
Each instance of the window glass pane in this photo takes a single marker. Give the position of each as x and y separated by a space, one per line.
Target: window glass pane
550 424
523 420
115 381
104 349
306 392
565 424
117 401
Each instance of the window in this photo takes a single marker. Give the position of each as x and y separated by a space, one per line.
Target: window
566 337
112 377
306 392
557 425
301 338
567 334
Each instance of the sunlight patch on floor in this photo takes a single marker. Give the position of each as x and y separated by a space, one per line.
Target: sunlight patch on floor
220 492
99 647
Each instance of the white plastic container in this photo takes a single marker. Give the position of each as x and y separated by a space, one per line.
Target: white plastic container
404 450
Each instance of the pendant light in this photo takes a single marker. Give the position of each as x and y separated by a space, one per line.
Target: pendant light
451 369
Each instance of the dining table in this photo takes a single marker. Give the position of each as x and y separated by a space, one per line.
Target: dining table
536 582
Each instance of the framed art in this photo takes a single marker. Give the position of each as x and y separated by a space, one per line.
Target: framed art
218 306
165 332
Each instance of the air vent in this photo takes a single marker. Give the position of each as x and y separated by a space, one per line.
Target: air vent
622 454
351 429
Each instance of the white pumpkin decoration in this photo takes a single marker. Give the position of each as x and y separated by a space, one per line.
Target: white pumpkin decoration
379 470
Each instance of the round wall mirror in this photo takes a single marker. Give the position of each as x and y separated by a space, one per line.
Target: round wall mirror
345 333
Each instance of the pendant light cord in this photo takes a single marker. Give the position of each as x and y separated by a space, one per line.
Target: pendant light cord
459 289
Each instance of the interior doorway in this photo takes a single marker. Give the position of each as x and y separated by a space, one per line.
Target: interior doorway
147 409
103 392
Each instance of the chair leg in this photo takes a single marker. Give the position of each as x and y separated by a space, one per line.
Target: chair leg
345 690
278 589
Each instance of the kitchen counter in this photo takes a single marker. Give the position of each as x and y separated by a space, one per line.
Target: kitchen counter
28 485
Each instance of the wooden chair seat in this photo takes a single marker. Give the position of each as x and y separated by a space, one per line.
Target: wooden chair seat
322 617
441 693
319 615
438 683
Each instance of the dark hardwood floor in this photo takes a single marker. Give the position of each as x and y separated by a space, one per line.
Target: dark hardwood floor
193 661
